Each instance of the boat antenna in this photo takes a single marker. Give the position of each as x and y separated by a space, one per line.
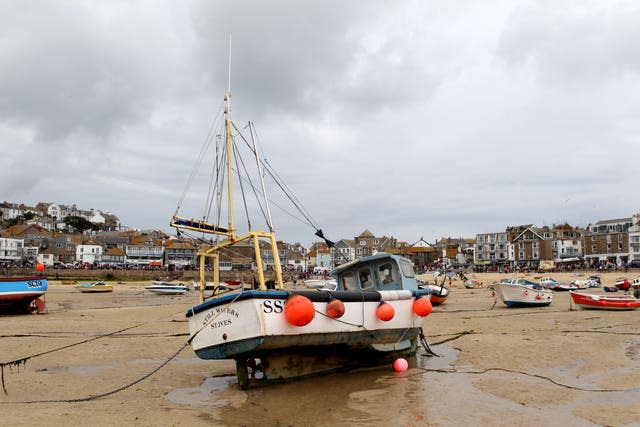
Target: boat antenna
229 78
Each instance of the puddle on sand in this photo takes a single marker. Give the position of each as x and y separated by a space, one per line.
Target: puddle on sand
204 396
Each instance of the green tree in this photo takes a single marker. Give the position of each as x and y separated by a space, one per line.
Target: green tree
79 223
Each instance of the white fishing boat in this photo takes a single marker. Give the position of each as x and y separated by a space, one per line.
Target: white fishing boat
520 293
373 313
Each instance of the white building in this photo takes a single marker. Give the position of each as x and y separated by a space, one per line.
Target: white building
10 211
491 248
10 250
46 259
88 253
53 210
634 238
97 217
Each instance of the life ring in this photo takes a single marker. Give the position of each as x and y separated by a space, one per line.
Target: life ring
526 293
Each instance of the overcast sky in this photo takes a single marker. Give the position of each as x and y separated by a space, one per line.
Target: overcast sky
408 118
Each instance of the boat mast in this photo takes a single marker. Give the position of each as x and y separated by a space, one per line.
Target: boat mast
227 122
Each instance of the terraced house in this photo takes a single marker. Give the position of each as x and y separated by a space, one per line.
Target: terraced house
530 245
491 248
607 241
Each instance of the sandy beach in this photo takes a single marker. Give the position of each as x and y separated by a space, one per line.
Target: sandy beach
121 358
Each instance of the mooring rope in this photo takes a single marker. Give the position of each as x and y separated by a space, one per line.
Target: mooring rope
108 393
23 361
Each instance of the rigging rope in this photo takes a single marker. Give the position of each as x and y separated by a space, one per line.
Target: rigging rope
199 159
280 183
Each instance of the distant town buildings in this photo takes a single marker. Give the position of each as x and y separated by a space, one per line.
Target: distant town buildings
40 234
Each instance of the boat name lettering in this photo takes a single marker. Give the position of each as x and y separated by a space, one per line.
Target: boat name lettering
34 283
227 310
217 312
271 306
219 323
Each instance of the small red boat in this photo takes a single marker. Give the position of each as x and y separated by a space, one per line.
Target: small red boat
439 293
604 302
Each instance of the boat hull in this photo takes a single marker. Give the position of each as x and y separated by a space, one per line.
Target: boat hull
166 289
236 325
513 295
90 289
17 293
439 294
252 325
604 302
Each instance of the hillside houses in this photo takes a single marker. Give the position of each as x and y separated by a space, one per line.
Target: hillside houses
50 216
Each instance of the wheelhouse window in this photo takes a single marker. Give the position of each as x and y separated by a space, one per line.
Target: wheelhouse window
407 268
366 278
386 274
349 281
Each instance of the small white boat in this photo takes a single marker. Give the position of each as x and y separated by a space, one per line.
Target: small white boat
519 295
162 288
635 283
314 283
582 284
548 282
321 284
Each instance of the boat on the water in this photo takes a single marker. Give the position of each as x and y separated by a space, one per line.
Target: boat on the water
522 293
372 313
163 288
94 287
604 302
22 294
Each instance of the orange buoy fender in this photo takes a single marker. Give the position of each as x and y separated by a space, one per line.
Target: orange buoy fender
385 311
299 310
335 308
422 307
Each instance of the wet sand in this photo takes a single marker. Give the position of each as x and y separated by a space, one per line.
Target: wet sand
498 366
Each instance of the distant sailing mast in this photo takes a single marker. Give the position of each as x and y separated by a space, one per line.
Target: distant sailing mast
230 231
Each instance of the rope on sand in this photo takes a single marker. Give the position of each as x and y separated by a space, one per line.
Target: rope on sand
455 337
542 377
23 361
108 393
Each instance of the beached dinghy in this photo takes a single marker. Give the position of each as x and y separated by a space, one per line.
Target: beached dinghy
163 288
439 293
516 293
374 314
94 287
604 302
22 294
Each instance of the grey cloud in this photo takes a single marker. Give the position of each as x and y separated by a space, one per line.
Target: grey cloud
574 45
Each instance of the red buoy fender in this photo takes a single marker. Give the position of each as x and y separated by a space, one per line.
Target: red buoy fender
335 308
299 310
385 311
422 307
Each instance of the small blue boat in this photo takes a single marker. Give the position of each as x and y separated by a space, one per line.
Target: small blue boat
21 294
